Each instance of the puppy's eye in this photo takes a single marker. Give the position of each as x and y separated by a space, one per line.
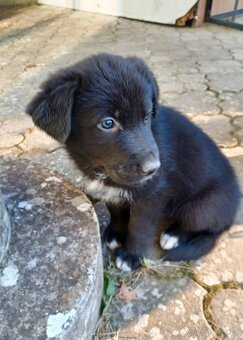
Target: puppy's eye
146 119
107 123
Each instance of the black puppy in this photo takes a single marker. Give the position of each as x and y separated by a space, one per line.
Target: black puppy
148 162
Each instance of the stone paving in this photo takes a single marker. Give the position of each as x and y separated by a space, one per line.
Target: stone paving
200 72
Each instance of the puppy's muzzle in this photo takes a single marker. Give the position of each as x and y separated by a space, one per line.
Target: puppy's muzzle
150 165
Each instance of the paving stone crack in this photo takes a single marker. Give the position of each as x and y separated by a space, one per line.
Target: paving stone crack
208 298
15 145
54 33
56 149
221 110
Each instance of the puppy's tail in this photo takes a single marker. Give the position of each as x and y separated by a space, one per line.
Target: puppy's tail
197 248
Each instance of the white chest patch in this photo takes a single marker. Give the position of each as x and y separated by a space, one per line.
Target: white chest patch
97 189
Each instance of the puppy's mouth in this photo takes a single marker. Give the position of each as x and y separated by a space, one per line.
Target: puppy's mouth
129 179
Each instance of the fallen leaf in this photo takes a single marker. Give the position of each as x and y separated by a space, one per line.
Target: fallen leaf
29 66
126 293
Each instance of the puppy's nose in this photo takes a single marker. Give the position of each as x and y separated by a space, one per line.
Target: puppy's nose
150 166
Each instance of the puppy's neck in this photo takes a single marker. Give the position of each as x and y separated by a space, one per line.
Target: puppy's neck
97 184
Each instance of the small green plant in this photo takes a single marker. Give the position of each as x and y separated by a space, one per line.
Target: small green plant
109 290
112 280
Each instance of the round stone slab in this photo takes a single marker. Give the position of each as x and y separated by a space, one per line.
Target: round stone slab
4 229
51 281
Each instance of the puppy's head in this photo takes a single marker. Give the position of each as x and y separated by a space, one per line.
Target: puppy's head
102 109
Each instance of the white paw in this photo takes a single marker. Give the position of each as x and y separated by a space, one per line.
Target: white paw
122 265
168 241
113 244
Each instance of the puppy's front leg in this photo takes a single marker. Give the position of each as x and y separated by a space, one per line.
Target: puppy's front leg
116 231
142 228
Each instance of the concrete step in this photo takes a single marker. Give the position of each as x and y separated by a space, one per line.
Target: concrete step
51 278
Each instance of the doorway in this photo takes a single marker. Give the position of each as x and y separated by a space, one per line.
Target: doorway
227 13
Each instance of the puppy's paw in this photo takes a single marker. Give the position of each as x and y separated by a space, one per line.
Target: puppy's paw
112 239
126 261
169 241
123 265
113 244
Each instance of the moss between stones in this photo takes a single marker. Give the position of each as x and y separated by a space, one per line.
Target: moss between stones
207 301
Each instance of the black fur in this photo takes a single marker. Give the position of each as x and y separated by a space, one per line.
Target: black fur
194 185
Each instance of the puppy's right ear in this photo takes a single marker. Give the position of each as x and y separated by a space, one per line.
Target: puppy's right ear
144 69
51 108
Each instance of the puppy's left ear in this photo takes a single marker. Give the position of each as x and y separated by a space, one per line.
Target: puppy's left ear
147 73
51 108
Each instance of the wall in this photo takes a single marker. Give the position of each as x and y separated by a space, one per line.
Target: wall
161 11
